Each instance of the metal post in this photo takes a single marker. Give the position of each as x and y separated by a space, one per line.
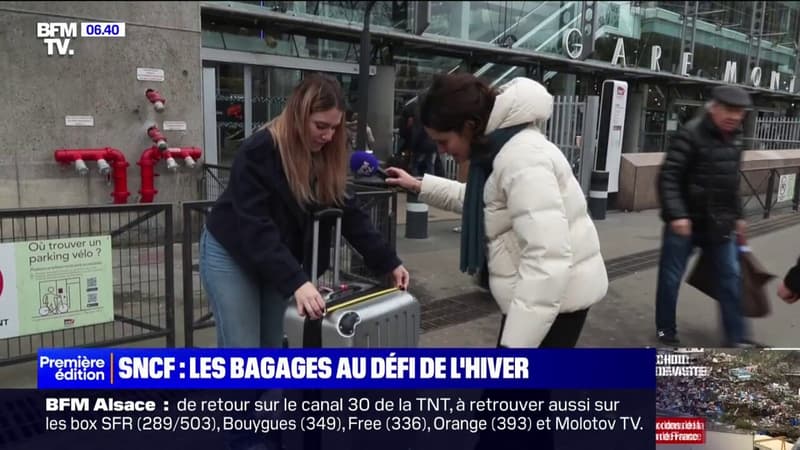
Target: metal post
589 140
694 28
363 80
188 279
770 188
169 274
598 193
684 24
750 37
797 191
248 100
756 30
393 221
796 64
589 16
416 218
763 9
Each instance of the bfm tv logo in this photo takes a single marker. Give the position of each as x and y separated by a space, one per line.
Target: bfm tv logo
57 36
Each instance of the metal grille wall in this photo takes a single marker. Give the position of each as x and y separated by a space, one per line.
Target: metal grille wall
213 181
565 129
142 272
777 133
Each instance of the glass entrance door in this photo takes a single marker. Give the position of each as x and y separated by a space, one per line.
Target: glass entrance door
247 97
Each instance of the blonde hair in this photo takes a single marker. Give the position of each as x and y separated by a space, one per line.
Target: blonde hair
316 93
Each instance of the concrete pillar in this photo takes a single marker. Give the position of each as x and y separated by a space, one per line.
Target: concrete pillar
464 18
381 110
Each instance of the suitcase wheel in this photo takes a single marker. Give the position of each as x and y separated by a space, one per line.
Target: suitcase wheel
348 323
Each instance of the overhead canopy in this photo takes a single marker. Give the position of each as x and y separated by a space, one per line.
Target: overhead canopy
327 28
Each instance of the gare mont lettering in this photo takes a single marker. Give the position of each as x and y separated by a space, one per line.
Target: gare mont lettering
574 50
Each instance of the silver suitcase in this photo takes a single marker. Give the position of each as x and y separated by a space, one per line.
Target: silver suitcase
358 314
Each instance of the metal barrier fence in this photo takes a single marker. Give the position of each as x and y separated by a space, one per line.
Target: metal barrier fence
213 181
380 205
450 166
782 190
142 273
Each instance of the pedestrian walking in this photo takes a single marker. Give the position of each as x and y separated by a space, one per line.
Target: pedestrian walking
351 125
698 187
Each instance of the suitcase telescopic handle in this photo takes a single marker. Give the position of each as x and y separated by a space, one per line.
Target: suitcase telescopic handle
319 216
328 212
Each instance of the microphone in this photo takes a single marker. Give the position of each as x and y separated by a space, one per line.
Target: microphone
367 170
365 165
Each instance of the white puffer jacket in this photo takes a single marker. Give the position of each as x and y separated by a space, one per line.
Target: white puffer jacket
543 248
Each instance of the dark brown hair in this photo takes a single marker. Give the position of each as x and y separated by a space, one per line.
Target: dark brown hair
455 99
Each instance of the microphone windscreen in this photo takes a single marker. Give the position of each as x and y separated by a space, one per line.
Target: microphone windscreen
364 164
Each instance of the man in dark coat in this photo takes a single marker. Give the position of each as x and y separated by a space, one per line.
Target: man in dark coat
789 289
699 192
416 140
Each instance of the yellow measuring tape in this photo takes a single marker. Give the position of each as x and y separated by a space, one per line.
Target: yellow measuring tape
360 299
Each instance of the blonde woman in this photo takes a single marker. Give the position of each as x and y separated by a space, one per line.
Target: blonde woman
255 241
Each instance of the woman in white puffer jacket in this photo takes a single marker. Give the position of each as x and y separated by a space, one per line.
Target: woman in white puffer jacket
525 220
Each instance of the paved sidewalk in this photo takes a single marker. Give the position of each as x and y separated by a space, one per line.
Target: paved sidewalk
625 318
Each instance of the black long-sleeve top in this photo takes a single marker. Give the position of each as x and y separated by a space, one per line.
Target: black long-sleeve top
261 225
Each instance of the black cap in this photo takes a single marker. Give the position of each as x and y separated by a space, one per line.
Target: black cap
731 96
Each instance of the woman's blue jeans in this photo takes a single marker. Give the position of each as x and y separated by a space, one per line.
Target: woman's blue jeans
247 313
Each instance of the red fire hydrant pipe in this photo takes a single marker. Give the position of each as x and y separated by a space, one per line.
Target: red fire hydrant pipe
115 158
185 152
156 136
147 163
155 97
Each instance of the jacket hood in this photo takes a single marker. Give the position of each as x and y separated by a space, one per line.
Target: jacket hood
521 100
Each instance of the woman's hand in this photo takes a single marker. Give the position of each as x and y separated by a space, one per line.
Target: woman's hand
401 277
401 178
309 301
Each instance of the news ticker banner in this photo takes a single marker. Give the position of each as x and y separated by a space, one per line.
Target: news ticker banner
375 418
73 368
415 398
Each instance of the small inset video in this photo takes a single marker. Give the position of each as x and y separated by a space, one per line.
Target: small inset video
728 399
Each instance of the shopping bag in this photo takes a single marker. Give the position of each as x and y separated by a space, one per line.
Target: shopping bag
755 301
